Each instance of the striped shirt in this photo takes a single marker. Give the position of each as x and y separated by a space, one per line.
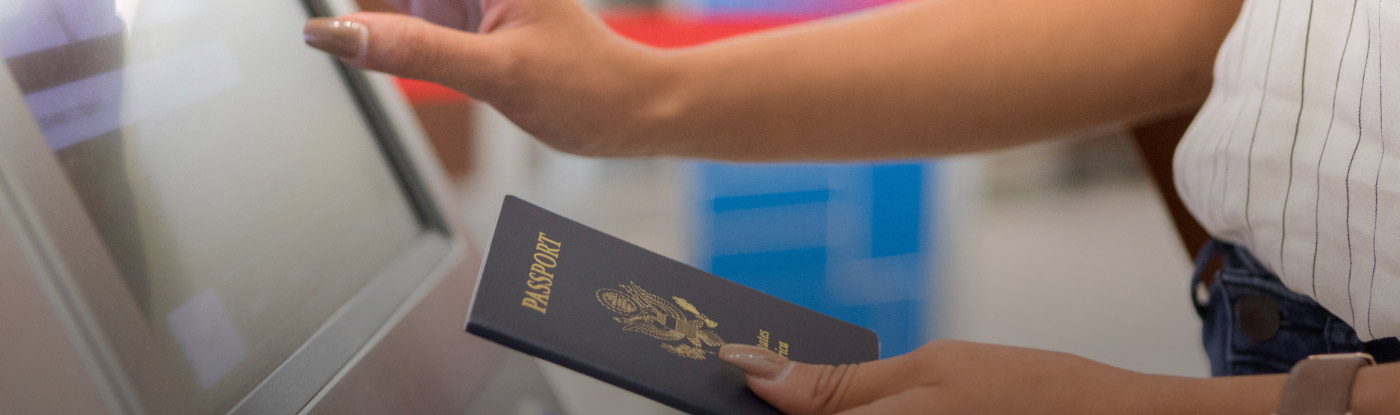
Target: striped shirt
1296 154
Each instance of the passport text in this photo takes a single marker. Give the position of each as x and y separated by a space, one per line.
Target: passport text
541 277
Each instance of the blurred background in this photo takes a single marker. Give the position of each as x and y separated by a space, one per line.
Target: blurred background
1063 246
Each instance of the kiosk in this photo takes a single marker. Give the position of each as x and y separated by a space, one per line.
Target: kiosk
199 214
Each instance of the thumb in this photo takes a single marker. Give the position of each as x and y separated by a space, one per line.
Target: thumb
799 388
406 46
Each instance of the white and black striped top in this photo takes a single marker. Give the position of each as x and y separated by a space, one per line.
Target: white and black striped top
1296 154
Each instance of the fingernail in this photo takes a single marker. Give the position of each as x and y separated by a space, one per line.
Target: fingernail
756 361
343 38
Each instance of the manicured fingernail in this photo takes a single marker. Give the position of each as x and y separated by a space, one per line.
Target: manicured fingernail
343 38
756 361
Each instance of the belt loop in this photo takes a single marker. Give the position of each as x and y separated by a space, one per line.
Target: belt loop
1209 251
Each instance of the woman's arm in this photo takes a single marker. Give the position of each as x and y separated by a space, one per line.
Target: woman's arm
952 377
913 79
937 77
1374 392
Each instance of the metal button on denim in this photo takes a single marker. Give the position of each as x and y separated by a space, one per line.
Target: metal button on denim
1258 317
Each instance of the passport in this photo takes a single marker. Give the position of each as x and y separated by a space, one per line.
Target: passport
566 293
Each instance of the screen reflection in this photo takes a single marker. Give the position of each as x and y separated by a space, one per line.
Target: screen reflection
228 169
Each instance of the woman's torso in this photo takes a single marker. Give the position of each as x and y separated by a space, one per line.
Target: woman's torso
1296 154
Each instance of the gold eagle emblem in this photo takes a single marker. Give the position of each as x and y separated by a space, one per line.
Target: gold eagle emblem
642 312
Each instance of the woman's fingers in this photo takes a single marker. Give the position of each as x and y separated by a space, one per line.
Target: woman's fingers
456 14
917 400
548 65
798 388
408 47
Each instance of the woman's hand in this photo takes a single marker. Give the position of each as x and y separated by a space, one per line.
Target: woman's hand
548 65
953 377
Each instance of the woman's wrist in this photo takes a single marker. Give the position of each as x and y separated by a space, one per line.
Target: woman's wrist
1374 390
1255 394
657 104
1373 393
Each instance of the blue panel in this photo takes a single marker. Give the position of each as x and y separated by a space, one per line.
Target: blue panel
793 275
730 179
769 229
897 193
771 265
763 200
847 240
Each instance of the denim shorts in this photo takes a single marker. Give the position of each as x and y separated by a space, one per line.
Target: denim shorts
1253 324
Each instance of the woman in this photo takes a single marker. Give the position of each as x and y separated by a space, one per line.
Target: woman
1285 165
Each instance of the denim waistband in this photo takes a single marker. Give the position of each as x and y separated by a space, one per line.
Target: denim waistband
1253 324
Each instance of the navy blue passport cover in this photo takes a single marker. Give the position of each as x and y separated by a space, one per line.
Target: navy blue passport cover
569 294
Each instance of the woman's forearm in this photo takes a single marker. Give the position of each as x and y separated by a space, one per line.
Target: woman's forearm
1374 393
937 77
1376 390
1257 394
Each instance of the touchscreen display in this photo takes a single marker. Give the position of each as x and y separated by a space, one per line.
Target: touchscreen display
231 174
